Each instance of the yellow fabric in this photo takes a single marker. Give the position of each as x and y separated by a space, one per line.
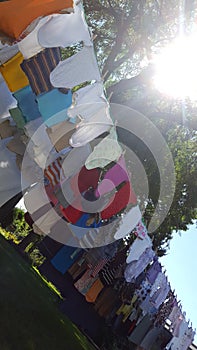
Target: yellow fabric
16 15
126 309
13 74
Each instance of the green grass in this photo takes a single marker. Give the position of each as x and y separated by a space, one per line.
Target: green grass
29 315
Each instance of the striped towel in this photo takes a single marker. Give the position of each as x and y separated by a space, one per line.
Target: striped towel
99 266
54 171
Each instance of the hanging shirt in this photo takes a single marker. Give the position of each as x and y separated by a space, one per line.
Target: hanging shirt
153 271
10 179
128 222
15 16
135 268
52 34
39 147
35 198
76 69
75 159
137 248
107 151
26 101
38 68
29 46
89 129
18 117
119 201
12 73
87 101
60 134
65 257
53 106
113 177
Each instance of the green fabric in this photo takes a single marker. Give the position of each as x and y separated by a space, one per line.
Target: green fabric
16 114
107 151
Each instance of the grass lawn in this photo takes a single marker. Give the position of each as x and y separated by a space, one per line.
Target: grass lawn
29 315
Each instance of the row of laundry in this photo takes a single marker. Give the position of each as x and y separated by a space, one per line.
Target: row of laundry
77 188
77 178
138 303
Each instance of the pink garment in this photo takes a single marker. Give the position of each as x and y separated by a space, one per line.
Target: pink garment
114 176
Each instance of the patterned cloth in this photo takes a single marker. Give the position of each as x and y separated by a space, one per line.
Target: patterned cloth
39 67
53 172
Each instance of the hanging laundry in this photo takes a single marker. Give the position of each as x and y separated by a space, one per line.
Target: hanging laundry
53 172
137 248
128 222
18 117
10 179
7 52
140 230
89 129
94 291
65 257
107 151
87 101
75 159
113 177
154 270
16 145
175 342
136 267
118 202
26 101
12 73
38 68
60 134
46 221
26 164
7 100
35 198
7 130
53 106
92 93
29 46
160 295
65 30
39 147
76 69
15 16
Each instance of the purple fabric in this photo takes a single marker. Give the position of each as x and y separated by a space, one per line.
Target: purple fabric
114 176
153 271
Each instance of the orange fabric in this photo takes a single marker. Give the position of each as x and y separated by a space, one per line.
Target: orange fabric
94 291
14 76
16 15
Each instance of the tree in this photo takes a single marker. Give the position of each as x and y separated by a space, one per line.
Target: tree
127 33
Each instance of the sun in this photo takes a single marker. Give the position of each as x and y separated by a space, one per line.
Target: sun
176 68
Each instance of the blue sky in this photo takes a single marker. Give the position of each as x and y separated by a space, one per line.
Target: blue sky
181 269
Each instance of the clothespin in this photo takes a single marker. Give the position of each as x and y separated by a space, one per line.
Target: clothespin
110 96
94 36
104 75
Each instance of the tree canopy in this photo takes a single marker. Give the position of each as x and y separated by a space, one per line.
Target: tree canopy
126 36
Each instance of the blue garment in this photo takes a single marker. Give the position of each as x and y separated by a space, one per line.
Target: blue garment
82 222
27 103
53 106
78 232
65 257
